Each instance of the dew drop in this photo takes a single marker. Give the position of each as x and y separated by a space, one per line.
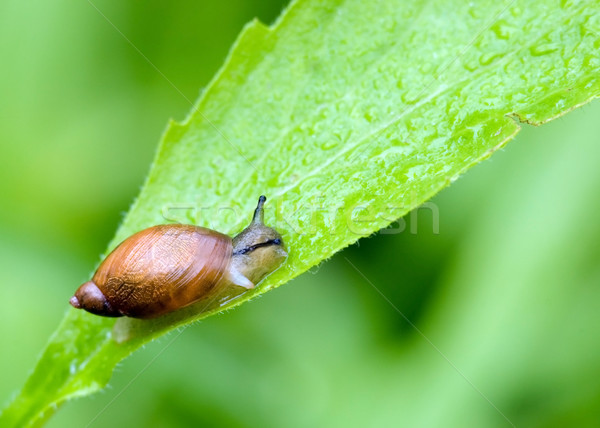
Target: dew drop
370 115
502 30
470 64
329 143
489 57
543 49
411 96
426 68
516 11
566 4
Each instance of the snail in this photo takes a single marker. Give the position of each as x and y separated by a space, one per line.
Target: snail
170 266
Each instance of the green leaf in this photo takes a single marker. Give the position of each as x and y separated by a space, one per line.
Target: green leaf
346 115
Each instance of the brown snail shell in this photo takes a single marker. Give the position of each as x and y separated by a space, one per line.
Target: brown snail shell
167 267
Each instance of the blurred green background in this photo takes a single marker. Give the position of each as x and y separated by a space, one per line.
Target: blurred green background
507 295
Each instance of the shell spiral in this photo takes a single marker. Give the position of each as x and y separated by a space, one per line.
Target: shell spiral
163 268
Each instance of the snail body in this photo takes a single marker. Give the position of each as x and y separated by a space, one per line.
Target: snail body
167 267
